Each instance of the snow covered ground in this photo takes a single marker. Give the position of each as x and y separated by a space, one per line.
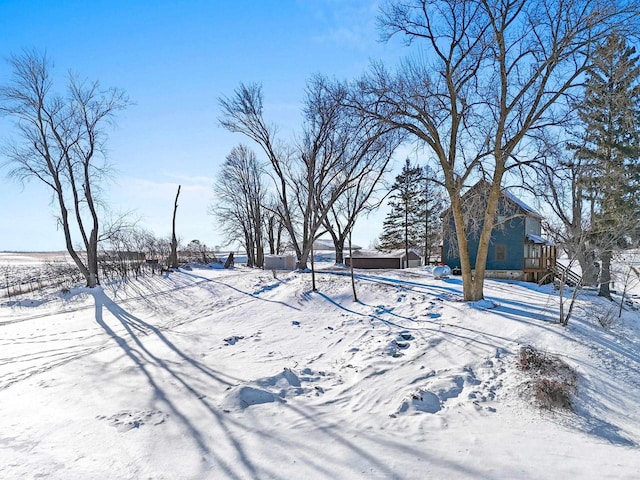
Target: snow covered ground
210 373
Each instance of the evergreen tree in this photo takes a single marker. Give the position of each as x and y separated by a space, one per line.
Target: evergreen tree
611 116
431 208
403 226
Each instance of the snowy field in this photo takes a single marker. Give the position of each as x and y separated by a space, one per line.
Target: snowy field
214 374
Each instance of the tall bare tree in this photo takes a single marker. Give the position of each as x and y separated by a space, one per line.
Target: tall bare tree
173 256
367 148
59 142
559 185
240 196
310 177
494 74
274 230
362 197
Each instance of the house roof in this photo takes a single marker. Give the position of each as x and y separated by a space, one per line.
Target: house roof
327 244
510 196
506 194
537 239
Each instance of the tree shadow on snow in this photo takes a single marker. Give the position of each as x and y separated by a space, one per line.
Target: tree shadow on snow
591 417
255 295
437 328
358 443
147 361
138 340
403 284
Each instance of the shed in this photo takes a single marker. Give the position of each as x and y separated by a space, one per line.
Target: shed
372 259
279 262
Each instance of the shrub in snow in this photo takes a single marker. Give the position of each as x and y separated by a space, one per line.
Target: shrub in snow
606 315
552 394
553 381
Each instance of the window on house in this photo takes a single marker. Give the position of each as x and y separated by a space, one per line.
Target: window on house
501 252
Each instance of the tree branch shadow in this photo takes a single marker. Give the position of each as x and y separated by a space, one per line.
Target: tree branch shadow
143 358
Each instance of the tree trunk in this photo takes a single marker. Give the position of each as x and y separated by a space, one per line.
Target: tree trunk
353 278
590 269
173 257
427 249
469 285
248 247
586 257
605 275
313 270
92 259
271 236
279 239
302 255
338 245
406 235
259 255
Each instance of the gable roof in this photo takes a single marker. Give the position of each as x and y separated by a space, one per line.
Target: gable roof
526 209
327 244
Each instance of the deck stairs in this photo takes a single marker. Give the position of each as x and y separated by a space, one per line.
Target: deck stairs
563 273
560 273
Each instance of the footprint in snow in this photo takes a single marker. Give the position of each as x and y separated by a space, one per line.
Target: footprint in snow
126 420
232 340
405 335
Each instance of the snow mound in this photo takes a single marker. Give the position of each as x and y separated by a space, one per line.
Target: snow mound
274 389
286 383
246 396
433 396
421 401
484 304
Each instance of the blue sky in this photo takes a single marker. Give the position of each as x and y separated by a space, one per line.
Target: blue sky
174 60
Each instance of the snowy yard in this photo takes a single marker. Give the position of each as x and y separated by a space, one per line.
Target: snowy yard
209 374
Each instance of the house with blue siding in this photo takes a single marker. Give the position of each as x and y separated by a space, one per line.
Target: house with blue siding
517 249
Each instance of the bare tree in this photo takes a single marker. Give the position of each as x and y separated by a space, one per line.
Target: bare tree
197 251
560 186
61 140
368 147
496 74
173 256
240 196
311 177
360 198
274 230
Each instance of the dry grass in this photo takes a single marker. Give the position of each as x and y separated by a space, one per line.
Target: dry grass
552 382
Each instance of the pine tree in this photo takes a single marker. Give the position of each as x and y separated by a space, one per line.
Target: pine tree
611 117
404 224
431 208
